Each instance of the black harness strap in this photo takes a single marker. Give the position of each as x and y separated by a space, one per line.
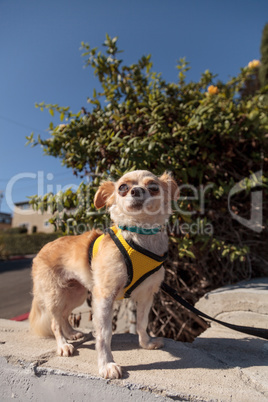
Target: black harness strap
139 281
259 332
125 256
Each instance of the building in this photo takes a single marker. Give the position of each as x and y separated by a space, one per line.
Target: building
34 221
5 220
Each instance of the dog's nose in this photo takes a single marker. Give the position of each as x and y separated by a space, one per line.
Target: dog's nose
137 192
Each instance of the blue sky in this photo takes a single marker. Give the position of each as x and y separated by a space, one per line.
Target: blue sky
41 61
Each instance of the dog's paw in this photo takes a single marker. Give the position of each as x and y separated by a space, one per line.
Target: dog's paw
65 350
153 343
111 371
75 335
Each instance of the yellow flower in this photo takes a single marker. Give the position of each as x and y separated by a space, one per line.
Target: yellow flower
254 64
212 90
61 127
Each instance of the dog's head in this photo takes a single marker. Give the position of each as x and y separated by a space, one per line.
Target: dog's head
138 198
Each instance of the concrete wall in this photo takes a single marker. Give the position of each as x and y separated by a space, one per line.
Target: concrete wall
5 220
24 215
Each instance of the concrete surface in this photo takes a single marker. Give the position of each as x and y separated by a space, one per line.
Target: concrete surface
220 365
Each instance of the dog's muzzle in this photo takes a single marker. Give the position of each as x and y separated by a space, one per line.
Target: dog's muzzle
138 196
138 193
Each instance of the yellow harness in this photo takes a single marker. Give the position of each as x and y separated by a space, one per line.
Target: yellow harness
140 263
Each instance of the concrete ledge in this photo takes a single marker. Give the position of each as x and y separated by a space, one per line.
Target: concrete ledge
221 365
245 296
27 382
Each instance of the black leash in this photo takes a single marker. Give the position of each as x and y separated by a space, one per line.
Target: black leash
259 332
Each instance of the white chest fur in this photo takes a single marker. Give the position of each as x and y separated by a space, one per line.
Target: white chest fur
157 244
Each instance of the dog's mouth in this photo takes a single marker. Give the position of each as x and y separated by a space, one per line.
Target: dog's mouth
135 205
135 199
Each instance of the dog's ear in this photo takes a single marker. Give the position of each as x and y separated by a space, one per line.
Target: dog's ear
170 185
104 195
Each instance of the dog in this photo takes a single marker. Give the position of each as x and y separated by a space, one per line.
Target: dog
65 269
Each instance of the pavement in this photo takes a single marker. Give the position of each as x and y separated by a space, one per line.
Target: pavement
15 287
220 365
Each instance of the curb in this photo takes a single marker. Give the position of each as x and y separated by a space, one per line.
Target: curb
21 317
20 257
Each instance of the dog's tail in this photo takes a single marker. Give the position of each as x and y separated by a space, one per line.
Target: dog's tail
40 320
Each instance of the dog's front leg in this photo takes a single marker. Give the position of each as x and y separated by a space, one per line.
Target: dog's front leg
102 317
143 295
144 304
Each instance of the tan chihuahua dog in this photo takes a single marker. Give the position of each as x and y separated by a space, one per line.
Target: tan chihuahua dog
124 262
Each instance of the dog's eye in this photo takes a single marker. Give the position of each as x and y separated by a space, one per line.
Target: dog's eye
123 189
153 188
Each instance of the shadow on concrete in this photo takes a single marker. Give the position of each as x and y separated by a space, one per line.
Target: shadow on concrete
206 353
257 284
241 353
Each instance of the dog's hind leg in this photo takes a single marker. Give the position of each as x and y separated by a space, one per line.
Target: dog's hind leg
67 299
69 332
74 295
63 347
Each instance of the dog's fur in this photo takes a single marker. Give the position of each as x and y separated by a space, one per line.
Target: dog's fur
62 274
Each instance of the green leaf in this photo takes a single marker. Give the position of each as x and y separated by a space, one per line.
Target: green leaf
151 145
190 254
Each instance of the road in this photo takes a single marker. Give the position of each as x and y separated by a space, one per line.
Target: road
15 288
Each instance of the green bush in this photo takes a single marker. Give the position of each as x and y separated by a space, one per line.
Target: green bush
21 244
18 230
